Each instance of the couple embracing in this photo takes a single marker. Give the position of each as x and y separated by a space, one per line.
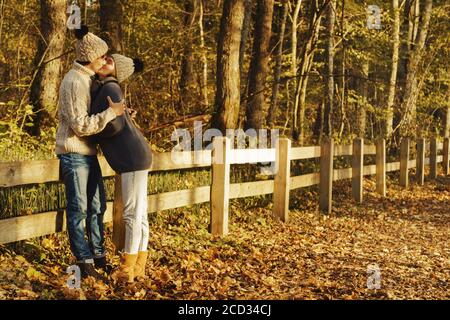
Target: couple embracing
91 113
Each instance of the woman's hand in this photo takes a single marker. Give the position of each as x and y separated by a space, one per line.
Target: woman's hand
132 112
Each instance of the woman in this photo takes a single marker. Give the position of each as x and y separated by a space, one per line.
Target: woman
128 153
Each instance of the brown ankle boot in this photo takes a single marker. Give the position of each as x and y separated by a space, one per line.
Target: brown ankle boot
139 268
125 272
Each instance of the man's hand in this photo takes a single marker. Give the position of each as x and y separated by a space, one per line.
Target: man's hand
118 107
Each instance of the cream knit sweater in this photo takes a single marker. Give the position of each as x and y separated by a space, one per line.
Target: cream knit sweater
75 124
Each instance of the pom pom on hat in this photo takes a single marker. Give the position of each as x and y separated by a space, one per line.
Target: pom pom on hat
80 33
138 65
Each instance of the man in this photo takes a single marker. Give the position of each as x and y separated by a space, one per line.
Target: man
79 167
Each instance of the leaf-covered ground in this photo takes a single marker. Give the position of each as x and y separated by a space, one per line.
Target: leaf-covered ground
313 256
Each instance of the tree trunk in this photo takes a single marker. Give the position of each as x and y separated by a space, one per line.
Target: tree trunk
364 90
343 103
408 125
245 34
409 13
329 83
405 35
111 21
294 38
276 81
294 58
204 82
228 76
318 124
2 16
187 75
393 80
447 124
259 65
416 20
45 87
306 62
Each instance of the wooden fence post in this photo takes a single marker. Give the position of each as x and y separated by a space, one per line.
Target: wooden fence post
326 175
404 158
358 169
220 186
420 162
433 158
381 166
282 179
118 224
446 156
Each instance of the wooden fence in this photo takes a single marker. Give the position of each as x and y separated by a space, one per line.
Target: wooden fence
221 191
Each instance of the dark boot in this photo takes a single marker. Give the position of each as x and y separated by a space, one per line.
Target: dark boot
100 263
88 269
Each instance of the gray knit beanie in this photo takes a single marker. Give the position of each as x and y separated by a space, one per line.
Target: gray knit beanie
89 47
125 66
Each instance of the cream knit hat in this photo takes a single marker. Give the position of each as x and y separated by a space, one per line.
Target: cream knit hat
125 66
89 47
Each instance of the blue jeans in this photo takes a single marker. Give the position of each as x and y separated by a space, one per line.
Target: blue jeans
86 201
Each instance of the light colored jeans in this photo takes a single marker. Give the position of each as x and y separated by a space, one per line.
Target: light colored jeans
135 216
